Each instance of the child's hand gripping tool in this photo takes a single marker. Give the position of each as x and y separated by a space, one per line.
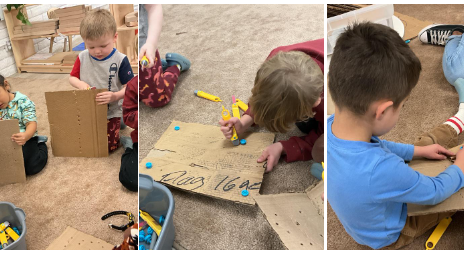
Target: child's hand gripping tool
144 62
226 117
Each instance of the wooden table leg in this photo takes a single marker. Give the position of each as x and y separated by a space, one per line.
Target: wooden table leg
64 45
51 44
70 42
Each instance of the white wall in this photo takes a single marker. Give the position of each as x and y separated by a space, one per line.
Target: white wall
35 13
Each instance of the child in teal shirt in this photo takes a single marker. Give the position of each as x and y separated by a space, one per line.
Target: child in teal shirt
18 106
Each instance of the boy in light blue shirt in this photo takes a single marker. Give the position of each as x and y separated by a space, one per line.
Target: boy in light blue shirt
372 73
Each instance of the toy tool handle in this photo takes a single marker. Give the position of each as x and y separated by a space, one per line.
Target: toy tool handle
437 233
205 95
226 117
144 61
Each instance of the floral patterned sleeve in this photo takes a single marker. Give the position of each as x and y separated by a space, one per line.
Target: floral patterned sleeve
27 108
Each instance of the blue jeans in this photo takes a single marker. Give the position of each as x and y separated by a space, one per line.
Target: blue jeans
453 58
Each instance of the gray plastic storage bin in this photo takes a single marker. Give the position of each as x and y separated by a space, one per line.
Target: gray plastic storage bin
17 218
157 200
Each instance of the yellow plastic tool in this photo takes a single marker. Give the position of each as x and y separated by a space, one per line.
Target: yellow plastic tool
241 105
437 233
3 239
151 222
226 117
205 95
144 61
322 171
5 227
235 110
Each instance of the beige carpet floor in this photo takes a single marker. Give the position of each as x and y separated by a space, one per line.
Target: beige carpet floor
432 101
226 45
72 192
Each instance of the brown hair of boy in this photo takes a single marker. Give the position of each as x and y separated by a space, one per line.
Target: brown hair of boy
371 62
286 88
97 23
4 83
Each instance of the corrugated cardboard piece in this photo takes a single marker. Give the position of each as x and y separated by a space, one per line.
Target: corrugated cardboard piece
78 126
298 218
73 239
412 26
432 168
198 158
11 154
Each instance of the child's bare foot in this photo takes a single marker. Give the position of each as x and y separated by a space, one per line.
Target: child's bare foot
437 33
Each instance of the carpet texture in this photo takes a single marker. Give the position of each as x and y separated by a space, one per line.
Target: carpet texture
226 45
74 192
431 103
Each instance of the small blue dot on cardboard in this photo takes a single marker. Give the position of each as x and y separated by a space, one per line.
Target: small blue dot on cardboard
176 128
148 165
243 142
245 193
142 247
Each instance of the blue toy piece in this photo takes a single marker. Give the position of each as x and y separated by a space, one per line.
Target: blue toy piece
176 128
15 229
142 247
149 231
141 234
148 165
242 141
148 239
245 193
161 219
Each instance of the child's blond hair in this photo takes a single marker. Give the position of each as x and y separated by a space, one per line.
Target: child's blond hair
286 88
97 23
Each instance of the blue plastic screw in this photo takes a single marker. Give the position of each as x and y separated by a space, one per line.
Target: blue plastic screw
141 234
148 165
245 193
176 128
461 147
243 142
407 41
142 247
148 239
161 219
149 231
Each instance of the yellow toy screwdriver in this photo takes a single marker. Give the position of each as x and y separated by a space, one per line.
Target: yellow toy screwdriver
144 61
5 226
242 105
204 95
226 117
151 222
235 111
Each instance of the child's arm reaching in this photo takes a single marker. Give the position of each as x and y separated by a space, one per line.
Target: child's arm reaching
109 97
155 22
78 84
74 78
22 137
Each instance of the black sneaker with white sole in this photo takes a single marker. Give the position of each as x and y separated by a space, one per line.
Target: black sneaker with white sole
437 33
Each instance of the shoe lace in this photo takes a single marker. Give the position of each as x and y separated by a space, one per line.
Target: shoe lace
439 36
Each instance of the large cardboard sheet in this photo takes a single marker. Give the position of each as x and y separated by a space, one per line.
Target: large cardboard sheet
412 26
432 168
298 218
199 159
11 154
73 239
78 126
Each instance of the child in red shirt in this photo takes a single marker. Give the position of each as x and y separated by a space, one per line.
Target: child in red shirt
288 88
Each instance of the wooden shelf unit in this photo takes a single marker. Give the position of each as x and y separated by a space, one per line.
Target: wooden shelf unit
23 47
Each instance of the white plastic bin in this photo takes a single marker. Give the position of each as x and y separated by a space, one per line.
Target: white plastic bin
377 13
